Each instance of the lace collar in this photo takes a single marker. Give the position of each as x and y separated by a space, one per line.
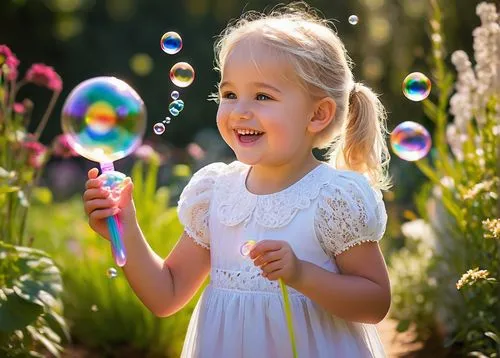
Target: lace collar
235 204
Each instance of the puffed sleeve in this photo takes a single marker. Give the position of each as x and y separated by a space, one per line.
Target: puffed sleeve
349 213
194 203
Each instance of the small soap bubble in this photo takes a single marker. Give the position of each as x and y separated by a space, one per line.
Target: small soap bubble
416 86
159 128
182 74
167 120
94 308
247 247
174 95
113 182
176 107
111 272
353 20
171 42
410 141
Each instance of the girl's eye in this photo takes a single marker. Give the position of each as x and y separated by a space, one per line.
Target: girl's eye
228 95
262 97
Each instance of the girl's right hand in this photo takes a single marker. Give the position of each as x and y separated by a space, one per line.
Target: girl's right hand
99 205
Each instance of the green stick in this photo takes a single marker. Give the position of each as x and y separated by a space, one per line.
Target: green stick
288 315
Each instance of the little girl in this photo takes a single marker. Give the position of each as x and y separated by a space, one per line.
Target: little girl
286 88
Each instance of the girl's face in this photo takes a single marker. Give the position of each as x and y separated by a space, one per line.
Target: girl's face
263 112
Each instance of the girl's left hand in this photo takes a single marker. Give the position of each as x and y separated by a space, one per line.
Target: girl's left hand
277 260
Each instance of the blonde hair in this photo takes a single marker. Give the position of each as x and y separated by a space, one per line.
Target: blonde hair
356 135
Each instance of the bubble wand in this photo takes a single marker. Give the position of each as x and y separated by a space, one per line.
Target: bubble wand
245 251
105 120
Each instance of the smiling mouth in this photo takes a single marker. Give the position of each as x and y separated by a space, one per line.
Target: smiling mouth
248 136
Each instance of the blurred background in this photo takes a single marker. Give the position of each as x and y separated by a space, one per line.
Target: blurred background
87 38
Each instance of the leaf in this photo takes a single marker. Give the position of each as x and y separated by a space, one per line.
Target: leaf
42 195
52 347
16 313
8 189
493 336
403 325
430 109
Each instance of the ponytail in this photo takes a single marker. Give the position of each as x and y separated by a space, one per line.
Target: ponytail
361 146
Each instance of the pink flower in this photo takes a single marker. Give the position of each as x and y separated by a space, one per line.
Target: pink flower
18 108
45 76
5 53
146 153
62 148
36 153
195 151
8 63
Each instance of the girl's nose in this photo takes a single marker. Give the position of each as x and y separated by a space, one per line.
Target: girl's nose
241 112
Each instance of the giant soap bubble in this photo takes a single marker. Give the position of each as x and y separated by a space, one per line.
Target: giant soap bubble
104 118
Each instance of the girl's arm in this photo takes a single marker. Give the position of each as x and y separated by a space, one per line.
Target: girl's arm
165 286
360 293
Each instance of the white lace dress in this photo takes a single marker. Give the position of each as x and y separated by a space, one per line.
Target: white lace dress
240 314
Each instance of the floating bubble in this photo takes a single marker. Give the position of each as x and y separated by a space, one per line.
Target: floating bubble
167 120
416 86
182 74
111 272
159 128
104 119
410 141
247 247
94 308
174 95
171 42
176 107
113 182
353 20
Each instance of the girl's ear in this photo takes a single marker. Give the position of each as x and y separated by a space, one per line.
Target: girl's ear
323 115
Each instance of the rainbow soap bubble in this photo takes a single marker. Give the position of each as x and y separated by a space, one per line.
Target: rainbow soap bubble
111 272
247 247
182 74
176 107
174 95
171 42
159 128
416 86
104 119
113 182
410 141
353 20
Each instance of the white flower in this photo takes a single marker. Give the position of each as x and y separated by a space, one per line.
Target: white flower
456 141
474 87
419 230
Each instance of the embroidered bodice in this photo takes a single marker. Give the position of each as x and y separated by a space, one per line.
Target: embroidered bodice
347 210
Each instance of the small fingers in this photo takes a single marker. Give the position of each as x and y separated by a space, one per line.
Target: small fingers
91 194
275 275
93 183
93 173
98 204
271 267
268 257
103 213
265 245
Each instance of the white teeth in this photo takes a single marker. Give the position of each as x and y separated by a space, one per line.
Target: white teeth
247 132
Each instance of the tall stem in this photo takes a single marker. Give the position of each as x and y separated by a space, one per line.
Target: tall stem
46 115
